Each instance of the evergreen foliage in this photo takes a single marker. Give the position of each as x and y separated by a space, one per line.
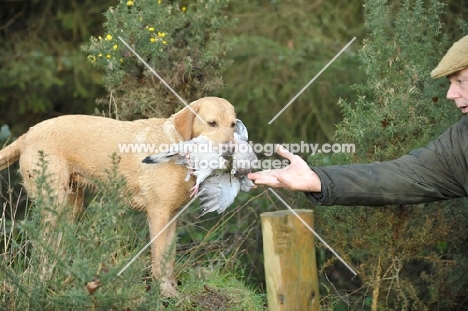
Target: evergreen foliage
73 265
407 257
401 107
183 44
281 46
43 72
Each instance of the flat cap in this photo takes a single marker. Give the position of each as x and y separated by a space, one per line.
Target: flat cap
454 60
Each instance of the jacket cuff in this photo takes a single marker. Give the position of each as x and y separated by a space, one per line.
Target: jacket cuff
321 198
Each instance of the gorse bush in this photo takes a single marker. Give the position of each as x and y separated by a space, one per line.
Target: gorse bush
66 259
401 107
54 263
407 257
181 42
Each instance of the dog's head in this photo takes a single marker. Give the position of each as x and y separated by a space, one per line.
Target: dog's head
212 117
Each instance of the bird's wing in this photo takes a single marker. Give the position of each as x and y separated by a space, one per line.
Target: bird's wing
240 131
229 190
219 191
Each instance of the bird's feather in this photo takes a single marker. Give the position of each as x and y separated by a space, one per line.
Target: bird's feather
219 192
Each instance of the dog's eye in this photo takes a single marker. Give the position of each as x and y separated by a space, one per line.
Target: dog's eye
212 123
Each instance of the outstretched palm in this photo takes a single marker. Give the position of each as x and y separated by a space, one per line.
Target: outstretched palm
295 177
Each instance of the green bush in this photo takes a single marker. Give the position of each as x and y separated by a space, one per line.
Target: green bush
74 265
182 43
407 257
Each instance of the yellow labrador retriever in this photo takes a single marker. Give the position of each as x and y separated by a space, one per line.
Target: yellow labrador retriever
78 147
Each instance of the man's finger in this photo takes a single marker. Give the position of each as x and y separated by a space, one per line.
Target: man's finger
261 179
284 152
259 174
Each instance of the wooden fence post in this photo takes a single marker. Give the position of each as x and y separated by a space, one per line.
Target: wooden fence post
290 266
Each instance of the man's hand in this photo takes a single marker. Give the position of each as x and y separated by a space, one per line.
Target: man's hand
295 177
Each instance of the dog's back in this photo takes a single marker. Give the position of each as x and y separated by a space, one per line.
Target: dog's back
85 143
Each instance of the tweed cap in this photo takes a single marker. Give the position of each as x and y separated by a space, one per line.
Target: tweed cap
456 59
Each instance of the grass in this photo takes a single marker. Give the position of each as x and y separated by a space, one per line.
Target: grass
82 270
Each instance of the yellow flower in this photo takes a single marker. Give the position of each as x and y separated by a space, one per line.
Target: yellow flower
109 37
152 39
100 38
100 54
151 29
115 47
108 56
140 19
159 1
164 42
184 9
129 3
161 34
92 58
121 60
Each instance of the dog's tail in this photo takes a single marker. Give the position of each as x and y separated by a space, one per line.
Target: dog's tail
11 153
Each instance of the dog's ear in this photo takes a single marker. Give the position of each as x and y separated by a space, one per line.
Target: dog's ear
183 120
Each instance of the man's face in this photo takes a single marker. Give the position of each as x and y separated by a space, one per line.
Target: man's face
458 90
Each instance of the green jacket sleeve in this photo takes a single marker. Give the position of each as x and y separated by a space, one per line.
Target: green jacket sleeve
436 172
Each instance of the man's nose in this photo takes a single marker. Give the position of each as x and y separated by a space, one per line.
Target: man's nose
453 91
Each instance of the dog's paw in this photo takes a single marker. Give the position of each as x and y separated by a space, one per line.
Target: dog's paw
168 289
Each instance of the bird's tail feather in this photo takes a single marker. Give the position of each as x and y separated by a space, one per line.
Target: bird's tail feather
208 204
161 157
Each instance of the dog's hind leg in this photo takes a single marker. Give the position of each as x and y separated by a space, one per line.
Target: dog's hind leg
76 201
48 183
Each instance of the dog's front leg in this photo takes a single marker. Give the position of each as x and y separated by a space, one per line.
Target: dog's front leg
163 249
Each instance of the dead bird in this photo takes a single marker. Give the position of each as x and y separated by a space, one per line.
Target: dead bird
221 188
220 171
